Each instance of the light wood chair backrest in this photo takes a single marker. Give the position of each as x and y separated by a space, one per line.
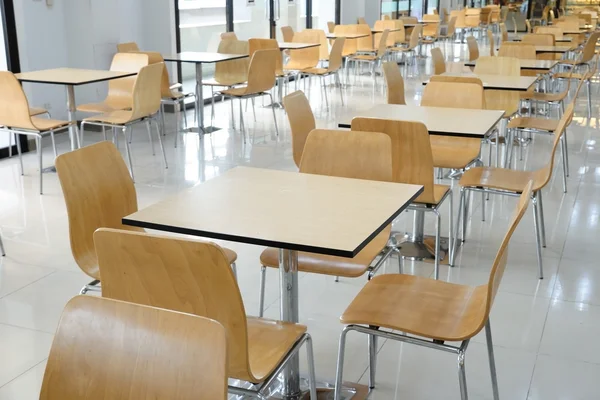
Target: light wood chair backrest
568 25
553 30
350 44
589 49
330 26
335 57
382 25
439 63
491 41
288 33
520 50
498 66
322 37
431 29
14 107
155 57
261 73
414 37
451 26
361 20
302 121
504 32
267 44
120 91
229 36
453 93
412 160
394 83
364 43
127 47
176 274
460 18
473 48
307 58
399 35
472 17
232 71
539 39
382 44
147 91
108 349
98 193
444 15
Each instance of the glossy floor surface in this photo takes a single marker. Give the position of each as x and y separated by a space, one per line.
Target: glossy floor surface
545 331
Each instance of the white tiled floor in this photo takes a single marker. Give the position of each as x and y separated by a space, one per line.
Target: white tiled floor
545 331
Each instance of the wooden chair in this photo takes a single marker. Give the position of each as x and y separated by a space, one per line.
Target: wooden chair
431 31
450 31
361 20
364 44
330 26
357 155
281 77
412 163
120 91
454 153
303 59
128 47
439 62
194 277
582 77
288 33
349 45
540 39
99 352
472 19
374 60
491 41
146 104
585 56
411 48
228 36
261 79
473 48
333 69
460 21
397 306
302 122
322 39
509 182
98 192
33 112
521 51
553 30
394 83
16 119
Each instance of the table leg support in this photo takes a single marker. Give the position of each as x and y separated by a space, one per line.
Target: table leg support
288 270
72 108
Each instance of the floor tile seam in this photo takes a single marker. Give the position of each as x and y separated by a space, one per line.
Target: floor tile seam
30 283
24 372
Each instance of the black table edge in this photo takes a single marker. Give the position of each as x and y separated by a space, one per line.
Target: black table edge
76 84
239 56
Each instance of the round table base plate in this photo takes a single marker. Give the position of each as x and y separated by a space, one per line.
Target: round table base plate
420 251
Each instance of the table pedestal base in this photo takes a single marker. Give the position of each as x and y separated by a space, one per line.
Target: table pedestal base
325 391
49 170
275 105
205 131
421 251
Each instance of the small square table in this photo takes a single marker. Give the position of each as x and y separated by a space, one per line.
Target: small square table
347 35
71 77
499 82
199 58
303 212
542 65
296 46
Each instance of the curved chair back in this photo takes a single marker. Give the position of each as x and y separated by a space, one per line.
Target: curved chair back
364 43
261 73
589 49
472 17
330 26
176 274
414 37
306 58
155 57
492 42
361 20
229 36
127 47
322 37
350 44
382 25
439 63
120 91
473 48
335 57
233 71
451 26
394 83
288 33
302 121
147 91
267 44
109 349
454 94
553 30
14 107
399 36
382 44
521 51
539 39
568 25
412 160
98 192
498 66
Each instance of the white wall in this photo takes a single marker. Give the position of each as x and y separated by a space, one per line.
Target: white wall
84 34
351 10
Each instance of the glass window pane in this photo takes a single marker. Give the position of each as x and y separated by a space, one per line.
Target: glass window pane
250 20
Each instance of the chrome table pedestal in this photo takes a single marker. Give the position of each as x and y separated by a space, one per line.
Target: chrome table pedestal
413 246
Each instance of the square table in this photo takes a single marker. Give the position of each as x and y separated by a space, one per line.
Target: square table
199 58
303 212
554 49
296 46
346 35
564 39
71 77
499 82
386 29
545 65
442 121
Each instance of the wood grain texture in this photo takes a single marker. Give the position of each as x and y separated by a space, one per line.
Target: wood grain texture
302 121
431 308
261 73
501 82
111 350
71 76
329 215
193 277
438 120
394 83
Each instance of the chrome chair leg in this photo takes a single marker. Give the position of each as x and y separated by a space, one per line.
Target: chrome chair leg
104 133
372 359
10 144
541 212
536 227
81 132
564 162
312 377
400 261
483 195
490 348
160 142
242 125
566 165
340 365
53 144
39 146
18 141
91 287
274 115
438 225
261 300
149 130
234 270
451 238
462 376
128 151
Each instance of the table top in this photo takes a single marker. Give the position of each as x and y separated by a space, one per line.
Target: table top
202 57
528 64
564 39
443 121
71 76
289 210
386 29
499 82
346 35
412 25
554 49
296 46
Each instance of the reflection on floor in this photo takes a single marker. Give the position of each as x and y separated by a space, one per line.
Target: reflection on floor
545 331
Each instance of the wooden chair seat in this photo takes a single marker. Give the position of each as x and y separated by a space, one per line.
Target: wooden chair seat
331 265
454 153
419 306
316 71
241 91
269 342
222 82
365 57
293 65
117 117
500 179
33 111
549 97
439 191
568 75
46 124
102 108
542 124
401 49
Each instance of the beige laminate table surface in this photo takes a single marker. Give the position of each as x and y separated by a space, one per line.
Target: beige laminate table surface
499 82
564 39
528 64
554 49
314 213
71 76
296 46
438 120
387 29
346 35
